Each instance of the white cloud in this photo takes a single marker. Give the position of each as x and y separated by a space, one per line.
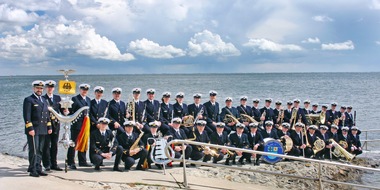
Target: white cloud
322 18
347 45
51 41
151 49
377 42
11 14
262 44
375 4
312 40
207 43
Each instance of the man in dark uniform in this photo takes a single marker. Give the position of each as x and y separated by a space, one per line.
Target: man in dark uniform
299 141
332 114
153 112
256 142
244 109
315 109
212 110
195 109
349 117
117 111
231 111
79 101
200 136
300 113
356 144
49 156
345 136
286 132
104 145
277 114
148 142
288 112
335 135
312 136
239 140
255 109
98 107
267 113
219 137
325 153
126 140
140 115
306 108
269 132
341 116
177 133
181 110
37 127
167 112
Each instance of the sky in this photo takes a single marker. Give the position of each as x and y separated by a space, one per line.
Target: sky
181 36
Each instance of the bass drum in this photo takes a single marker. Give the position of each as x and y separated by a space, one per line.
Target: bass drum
273 146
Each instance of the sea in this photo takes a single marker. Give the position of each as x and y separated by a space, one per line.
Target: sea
360 90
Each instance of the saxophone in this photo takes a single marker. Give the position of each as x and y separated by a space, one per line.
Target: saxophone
135 145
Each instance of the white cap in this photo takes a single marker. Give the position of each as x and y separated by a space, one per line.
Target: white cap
201 122
196 95
345 128
117 89
297 100
228 99
268 100
98 88
103 120
278 102
256 100
177 119
306 101
84 85
269 123
150 91
38 83
313 127
136 90
166 94
50 83
180 94
243 98
129 123
213 92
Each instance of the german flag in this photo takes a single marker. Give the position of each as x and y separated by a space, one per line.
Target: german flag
83 137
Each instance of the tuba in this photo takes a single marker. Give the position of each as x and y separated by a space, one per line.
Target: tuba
339 151
248 118
319 145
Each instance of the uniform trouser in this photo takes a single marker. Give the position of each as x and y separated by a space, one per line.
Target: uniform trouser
49 155
258 156
188 151
129 161
35 152
295 152
243 156
71 151
97 159
357 152
196 154
215 158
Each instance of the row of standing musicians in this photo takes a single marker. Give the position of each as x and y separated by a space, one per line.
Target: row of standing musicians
145 112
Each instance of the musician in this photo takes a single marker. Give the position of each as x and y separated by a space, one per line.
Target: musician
324 111
325 153
269 132
117 111
285 130
356 144
195 109
98 107
306 105
200 136
126 141
244 109
269 113
167 112
79 101
177 133
300 113
149 142
312 136
153 111
232 111
239 140
288 112
37 127
49 156
140 116
334 132
331 114
212 110
256 142
345 136
349 117
181 110
277 113
255 109
314 109
219 137
341 115
299 141
100 142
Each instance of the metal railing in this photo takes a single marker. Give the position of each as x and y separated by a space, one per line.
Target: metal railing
318 179
366 140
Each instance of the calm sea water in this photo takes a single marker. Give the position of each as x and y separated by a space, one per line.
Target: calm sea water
357 89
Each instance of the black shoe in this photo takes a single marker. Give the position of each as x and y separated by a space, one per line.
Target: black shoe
117 169
73 167
126 169
42 173
249 161
56 168
159 166
233 162
47 169
140 168
241 162
85 165
193 165
227 163
102 164
97 168
34 174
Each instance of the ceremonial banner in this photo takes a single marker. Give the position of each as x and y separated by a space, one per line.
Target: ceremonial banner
83 137
66 87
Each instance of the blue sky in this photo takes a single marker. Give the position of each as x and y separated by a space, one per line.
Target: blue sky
179 36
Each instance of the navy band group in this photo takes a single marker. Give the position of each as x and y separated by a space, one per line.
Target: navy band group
122 129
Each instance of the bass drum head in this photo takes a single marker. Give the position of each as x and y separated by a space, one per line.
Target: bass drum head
273 146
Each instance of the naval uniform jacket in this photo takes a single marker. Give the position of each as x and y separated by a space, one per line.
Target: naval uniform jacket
245 110
151 110
167 113
194 110
269 116
78 103
116 113
355 140
272 134
97 110
139 111
99 144
297 140
349 119
203 138
212 112
126 142
331 116
220 140
253 140
229 111
57 107
256 114
36 115
180 111
237 142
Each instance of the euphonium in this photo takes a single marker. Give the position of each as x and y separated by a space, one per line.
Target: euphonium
319 145
339 151
249 118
